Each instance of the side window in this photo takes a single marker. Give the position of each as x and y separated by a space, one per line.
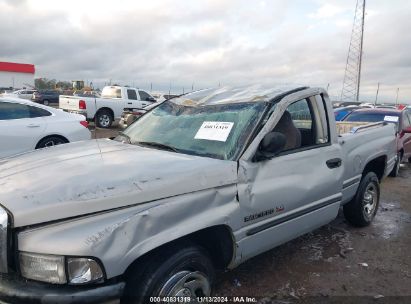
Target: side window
9 111
143 95
38 112
304 124
131 94
300 114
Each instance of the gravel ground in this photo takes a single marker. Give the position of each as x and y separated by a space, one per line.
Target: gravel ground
336 263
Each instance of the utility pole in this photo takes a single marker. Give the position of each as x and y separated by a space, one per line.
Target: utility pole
376 96
352 75
396 99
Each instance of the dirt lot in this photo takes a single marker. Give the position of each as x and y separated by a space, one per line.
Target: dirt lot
336 263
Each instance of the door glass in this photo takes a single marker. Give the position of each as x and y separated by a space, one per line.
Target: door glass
144 95
304 124
131 94
37 112
10 111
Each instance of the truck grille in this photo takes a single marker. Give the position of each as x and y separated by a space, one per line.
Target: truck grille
3 240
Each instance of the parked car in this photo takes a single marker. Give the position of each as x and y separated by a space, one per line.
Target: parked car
24 94
46 97
104 110
201 182
25 126
5 91
341 113
341 104
402 120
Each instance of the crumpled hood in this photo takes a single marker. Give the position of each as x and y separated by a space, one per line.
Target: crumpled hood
97 175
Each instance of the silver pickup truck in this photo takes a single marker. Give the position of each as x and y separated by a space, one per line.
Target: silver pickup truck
201 183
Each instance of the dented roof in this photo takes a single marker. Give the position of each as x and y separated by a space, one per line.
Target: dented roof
225 95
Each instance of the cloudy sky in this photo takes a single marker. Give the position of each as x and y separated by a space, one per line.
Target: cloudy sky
179 43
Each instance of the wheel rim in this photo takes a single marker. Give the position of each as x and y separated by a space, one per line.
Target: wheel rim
104 120
370 199
52 142
186 284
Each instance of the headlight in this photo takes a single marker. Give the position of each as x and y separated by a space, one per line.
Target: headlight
83 270
52 269
41 267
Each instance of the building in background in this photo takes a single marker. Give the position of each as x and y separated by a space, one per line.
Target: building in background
16 75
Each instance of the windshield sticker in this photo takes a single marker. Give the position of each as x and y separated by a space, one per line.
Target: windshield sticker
391 118
214 130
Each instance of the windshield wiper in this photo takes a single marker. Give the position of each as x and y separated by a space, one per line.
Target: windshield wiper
157 145
122 134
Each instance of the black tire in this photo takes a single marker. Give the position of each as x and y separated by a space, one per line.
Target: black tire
46 102
396 170
165 272
51 141
104 119
362 209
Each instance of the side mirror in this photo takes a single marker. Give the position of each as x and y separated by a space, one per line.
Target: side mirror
271 145
150 99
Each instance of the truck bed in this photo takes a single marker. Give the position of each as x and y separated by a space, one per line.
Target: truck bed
360 143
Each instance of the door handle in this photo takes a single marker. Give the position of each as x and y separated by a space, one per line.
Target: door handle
129 103
33 126
334 163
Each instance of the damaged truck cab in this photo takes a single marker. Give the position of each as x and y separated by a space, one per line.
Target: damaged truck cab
202 182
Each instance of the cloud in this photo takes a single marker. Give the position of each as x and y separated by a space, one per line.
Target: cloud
206 42
327 11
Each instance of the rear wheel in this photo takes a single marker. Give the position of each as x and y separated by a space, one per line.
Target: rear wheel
362 209
51 141
104 119
177 272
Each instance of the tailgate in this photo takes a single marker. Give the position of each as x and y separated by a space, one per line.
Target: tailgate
69 102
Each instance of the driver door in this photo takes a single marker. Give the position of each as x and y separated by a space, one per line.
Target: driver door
296 191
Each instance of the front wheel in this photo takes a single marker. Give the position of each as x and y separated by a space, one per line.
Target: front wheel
362 209
178 272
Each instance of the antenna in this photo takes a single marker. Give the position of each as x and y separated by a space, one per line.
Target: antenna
352 75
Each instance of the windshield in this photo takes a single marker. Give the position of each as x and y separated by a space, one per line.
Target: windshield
218 131
111 92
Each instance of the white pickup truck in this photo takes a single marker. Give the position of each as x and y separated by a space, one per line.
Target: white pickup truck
109 107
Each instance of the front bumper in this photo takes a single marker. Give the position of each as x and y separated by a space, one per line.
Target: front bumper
15 290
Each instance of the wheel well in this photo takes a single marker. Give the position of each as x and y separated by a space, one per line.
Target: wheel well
52 135
377 165
217 240
105 109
